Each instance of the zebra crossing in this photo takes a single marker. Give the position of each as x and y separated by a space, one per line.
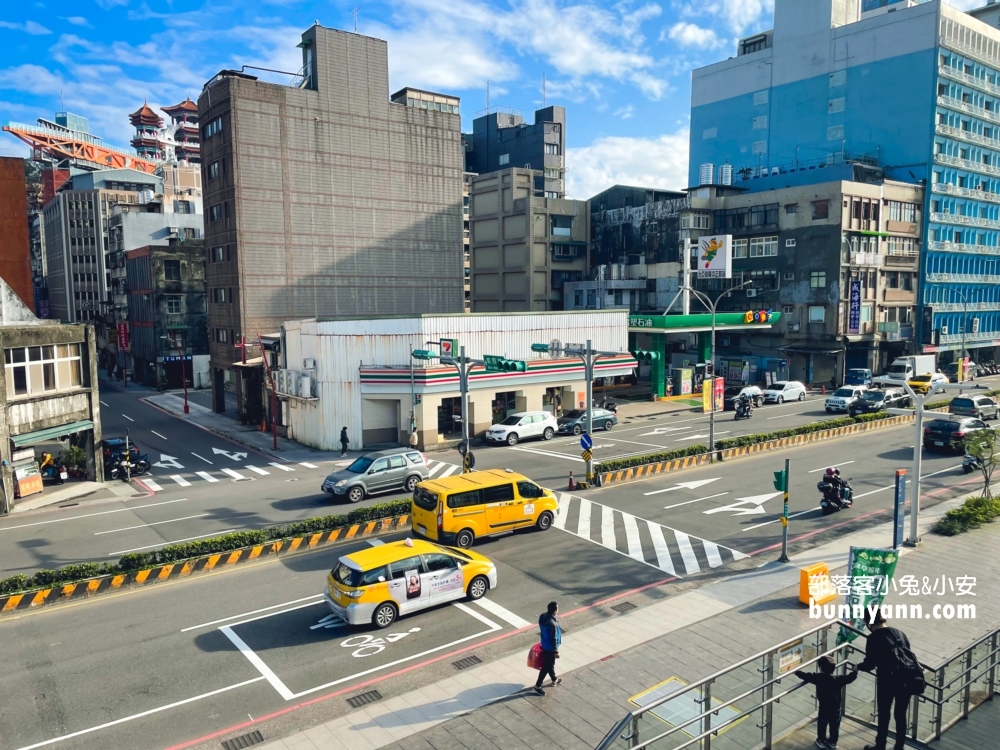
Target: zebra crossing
669 550
440 469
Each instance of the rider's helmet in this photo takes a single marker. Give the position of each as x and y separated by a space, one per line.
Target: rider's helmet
830 472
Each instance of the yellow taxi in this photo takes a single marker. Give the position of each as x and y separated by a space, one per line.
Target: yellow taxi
458 510
929 382
379 584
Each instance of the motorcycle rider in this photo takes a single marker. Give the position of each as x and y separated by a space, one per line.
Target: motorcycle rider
47 461
839 489
744 405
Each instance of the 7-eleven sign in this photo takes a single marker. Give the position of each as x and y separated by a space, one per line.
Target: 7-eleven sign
449 347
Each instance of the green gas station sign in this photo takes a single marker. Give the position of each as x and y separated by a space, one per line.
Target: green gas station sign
703 320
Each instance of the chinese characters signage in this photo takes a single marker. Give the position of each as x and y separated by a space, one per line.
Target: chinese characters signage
874 567
854 308
123 336
715 257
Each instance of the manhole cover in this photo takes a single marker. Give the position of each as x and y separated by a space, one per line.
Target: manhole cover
624 607
470 661
244 740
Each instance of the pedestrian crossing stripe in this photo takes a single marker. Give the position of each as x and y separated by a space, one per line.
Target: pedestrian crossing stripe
661 547
206 476
257 470
233 473
180 480
440 469
308 465
281 466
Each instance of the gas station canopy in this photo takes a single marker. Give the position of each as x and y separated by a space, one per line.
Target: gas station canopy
702 321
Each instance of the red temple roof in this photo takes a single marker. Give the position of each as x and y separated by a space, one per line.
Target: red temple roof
185 106
145 116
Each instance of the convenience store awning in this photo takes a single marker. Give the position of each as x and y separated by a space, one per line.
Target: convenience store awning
31 438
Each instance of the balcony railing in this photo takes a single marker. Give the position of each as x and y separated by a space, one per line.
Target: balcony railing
943 188
965 135
963 278
946 71
967 164
961 247
970 109
961 307
970 337
968 221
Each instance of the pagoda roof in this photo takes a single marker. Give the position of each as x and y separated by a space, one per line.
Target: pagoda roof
146 116
185 106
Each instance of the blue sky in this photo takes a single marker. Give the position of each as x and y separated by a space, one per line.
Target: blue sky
622 69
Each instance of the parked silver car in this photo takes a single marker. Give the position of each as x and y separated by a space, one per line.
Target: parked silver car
383 471
982 407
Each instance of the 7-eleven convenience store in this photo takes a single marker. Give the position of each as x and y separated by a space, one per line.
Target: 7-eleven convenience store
358 373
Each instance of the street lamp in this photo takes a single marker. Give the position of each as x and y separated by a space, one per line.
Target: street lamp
918 440
712 305
173 340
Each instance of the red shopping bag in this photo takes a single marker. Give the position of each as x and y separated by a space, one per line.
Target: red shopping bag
535 657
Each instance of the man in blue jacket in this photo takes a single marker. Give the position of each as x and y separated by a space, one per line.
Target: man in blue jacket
551 633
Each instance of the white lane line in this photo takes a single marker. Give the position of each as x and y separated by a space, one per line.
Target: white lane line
158 434
562 511
687 552
478 615
790 414
104 403
128 417
308 465
265 670
206 476
180 480
233 473
503 613
146 525
305 599
663 558
632 537
88 515
150 484
376 542
449 471
547 453
608 528
583 523
201 457
712 553
125 719
256 469
435 469
831 466
175 541
688 502
280 466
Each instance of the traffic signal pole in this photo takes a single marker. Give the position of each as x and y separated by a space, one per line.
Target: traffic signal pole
588 368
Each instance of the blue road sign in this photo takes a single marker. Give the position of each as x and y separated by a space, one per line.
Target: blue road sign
586 441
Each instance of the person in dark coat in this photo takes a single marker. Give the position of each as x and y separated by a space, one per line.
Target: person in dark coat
879 656
829 687
551 636
344 441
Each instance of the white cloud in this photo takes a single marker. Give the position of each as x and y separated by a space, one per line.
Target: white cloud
78 21
738 15
30 27
624 112
109 4
654 162
691 35
965 4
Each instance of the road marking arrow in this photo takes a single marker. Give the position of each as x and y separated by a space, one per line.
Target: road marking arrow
695 484
664 430
168 462
754 505
234 456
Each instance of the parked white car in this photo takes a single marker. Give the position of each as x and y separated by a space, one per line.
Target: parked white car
842 398
523 425
785 390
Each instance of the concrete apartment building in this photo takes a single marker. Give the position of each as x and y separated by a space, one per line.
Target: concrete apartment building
328 197
501 139
913 87
524 246
15 247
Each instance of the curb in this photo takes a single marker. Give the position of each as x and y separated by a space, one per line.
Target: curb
664 467
184 568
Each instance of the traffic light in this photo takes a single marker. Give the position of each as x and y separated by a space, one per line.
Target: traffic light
539 348
780 481
511 365
646 355
423 354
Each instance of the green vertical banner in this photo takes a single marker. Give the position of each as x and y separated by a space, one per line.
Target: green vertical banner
869 570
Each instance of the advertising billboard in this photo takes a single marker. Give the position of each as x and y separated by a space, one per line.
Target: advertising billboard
715 257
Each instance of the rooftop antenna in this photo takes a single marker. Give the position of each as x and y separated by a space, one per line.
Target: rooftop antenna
543 91
355 12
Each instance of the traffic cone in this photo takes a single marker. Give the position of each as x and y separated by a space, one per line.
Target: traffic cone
822 389
572 484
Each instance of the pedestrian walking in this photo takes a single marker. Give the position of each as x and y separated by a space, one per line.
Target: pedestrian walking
344 441
551 633
898 676
829 688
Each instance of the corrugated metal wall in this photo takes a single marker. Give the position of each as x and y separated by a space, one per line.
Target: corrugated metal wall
342 347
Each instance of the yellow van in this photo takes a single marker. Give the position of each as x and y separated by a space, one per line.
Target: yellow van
378 584
458 510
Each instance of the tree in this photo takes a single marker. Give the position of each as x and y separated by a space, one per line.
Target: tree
981 444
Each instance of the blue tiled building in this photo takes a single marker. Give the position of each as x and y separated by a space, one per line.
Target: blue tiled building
912 87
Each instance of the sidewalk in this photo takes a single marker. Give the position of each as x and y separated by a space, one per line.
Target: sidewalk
689 635
73 491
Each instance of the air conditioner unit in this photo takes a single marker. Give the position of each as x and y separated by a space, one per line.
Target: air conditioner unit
975 325
751 292
305 386
308 364
944 330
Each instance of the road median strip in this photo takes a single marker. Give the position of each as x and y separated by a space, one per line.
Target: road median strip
23 592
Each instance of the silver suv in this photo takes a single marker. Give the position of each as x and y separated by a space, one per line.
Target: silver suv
399 468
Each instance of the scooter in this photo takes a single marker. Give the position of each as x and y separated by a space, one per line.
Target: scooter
971 464
56 473
835 498
116 467
610 406
744 409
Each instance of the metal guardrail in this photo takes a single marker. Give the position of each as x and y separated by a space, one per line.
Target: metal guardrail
949 696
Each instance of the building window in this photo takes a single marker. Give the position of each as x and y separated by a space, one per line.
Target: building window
792 208
763 247
214 127
552 149
578 298
172 270
173 304
788 309
552 173
215 212
40 369
899 211
562 226
760 123
219 295
618 298
504 159
218 255
817 314
213 170
185 207
739 248
820 210
221 336
817 280
755 44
